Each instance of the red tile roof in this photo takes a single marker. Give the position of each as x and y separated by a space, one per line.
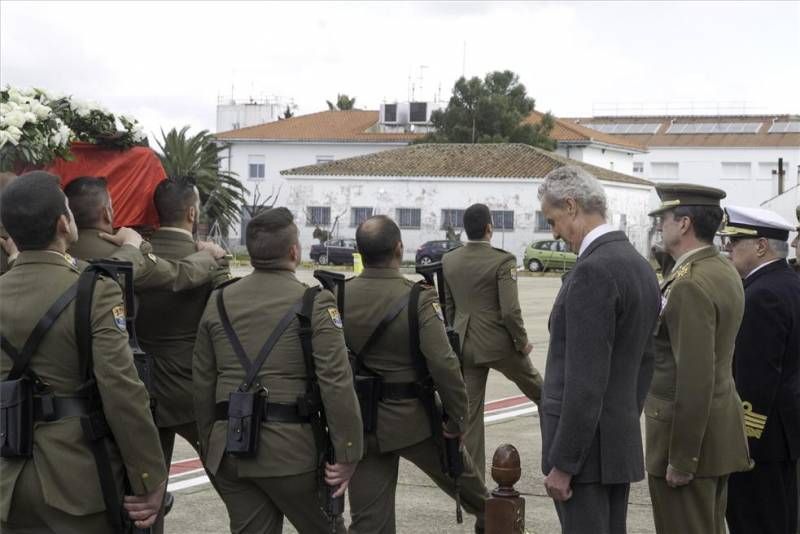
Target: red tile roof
491 160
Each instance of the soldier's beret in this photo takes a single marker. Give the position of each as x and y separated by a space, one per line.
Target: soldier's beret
674 195
755 222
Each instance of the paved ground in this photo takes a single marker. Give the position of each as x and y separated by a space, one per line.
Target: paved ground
421 507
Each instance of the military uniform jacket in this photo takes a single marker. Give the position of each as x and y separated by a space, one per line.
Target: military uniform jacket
166 325
368 298
693 415
599 364
482 302
255 304
63 462
766 362
155 273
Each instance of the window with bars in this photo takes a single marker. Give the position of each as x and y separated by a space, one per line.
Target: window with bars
452 218
638 167
503 219
409 217
318 216
359 215
541 223
256 167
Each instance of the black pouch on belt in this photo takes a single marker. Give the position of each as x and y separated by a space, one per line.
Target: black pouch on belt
245 413
16 418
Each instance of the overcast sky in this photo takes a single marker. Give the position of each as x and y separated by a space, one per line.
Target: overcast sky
167 63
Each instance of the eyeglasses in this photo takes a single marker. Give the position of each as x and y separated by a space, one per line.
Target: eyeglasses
732 241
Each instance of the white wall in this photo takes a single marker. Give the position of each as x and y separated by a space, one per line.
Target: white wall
705 166
607 158
431 195
282 156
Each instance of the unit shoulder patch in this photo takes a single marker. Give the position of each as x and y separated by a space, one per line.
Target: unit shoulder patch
118 312
437 309
336 319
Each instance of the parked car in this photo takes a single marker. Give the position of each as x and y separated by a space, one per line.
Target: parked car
334 252
432 251
549 254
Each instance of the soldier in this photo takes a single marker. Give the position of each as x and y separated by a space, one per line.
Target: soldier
693 416
274 474
380 295
483 306
94 215
170 339
766 361
58 488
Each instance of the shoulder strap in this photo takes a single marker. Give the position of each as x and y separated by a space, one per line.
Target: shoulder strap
413 331
305 335
398 306
230 333
22 358
252 369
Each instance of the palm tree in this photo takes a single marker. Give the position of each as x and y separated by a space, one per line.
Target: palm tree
343 103
197 156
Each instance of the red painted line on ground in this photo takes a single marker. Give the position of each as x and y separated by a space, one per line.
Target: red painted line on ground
182 466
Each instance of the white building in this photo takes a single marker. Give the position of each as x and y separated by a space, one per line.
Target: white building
233 114
426 187
738 154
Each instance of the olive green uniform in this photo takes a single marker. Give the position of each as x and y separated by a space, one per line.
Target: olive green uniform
483 306
58 489
155 273
169 339
403 428
281 479
693 415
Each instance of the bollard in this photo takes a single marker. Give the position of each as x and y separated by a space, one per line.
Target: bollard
505 509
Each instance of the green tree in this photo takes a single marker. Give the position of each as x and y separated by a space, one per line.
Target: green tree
287 114
343 103
491 110
197 156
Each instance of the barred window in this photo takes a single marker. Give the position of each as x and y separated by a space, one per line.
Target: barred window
453 218
359 215
318 215
541 223
503 219
409 217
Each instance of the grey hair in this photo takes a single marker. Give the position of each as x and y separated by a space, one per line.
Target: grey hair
780 248
575 183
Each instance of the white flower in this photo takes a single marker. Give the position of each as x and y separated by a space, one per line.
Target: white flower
17 97
11 134
40 110
17 118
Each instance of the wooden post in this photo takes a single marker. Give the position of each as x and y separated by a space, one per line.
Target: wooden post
505 509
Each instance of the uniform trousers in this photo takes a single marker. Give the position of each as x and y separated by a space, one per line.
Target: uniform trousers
258 505
187 431
29 513
594 509
372 488
516 368
696 508
763 500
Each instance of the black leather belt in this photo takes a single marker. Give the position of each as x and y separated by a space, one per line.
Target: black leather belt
52 408
399 390
274 412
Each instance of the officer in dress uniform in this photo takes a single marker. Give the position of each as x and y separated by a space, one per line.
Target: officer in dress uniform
765 366
94 215
693 416
279 476
169 338
403 428
483 306
58 489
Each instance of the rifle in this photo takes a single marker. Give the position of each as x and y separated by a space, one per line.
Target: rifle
453 463
433 273
334 506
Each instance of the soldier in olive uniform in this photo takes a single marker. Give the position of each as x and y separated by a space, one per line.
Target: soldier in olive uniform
403 429
766 366
693 415
281 479
94 215
170 340
483 306
58 488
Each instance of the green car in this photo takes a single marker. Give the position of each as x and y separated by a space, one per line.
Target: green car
549 254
